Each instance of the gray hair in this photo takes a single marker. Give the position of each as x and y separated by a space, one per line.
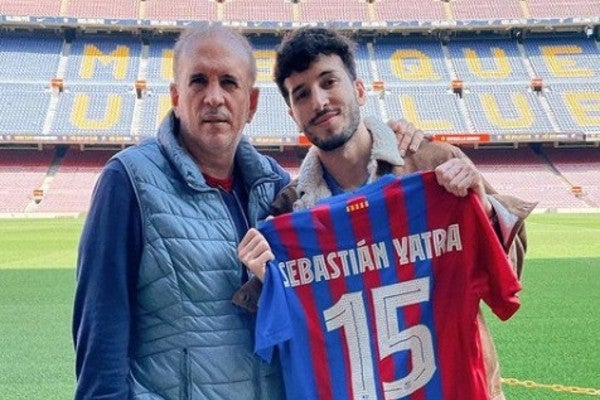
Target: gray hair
195 34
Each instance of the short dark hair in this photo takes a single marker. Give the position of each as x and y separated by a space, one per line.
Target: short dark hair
302 47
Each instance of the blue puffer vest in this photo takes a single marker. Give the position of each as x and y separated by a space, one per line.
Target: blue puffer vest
190 341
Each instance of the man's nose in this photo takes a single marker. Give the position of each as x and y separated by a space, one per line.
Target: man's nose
320 99
214 95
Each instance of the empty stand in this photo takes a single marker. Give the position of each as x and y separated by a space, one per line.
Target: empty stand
121 9
333 10
29 57
30 7
257 10
108 59
506 108
563 8
402 60
24 108
486 9
487 60
523 174
159 68
95 111
372 106
564 58
188 10
431 108
71 187
21 171
581 167
155 106
264 52
575 105
394 10
363 63
272 119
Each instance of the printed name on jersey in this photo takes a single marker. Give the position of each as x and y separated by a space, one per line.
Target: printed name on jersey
369 257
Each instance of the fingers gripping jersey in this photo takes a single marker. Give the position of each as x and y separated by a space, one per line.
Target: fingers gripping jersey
374 294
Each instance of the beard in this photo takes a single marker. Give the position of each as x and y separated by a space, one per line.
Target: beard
337 140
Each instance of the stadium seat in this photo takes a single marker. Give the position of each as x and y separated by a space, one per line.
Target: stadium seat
118 9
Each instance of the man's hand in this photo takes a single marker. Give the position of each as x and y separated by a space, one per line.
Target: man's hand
254 251
409 137
458 175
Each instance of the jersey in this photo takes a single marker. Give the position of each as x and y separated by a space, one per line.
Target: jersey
374 294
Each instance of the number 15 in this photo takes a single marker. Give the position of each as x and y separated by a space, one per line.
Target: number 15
350 313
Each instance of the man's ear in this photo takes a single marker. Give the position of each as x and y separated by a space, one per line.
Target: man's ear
361 91
174 95
254 95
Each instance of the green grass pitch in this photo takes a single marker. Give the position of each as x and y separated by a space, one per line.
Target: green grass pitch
553 339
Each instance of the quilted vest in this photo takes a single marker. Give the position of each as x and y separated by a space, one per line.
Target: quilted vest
190 341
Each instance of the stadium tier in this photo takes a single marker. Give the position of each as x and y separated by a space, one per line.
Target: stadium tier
488 60
487 9
521 74
273 11
21 171
529 176
29 57
101 8
411 76
31 7
258 10
576 106
94 110
400 61
191 10
506 108
434 109
564 58
103 59
24 109
562 8
390 10
331 10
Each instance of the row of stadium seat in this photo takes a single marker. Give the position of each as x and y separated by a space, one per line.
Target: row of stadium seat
120 59
549 179
117 112
303 10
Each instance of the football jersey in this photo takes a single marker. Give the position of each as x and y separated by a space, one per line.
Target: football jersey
374 294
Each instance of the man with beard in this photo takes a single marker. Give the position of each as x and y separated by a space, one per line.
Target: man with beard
316 74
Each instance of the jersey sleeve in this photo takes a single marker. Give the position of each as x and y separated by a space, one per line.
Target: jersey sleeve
273 322
501 288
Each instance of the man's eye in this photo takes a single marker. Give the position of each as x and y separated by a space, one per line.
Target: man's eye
198 80
299 96
229 83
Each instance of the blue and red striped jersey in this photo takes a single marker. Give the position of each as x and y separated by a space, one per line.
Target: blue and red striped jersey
374 294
